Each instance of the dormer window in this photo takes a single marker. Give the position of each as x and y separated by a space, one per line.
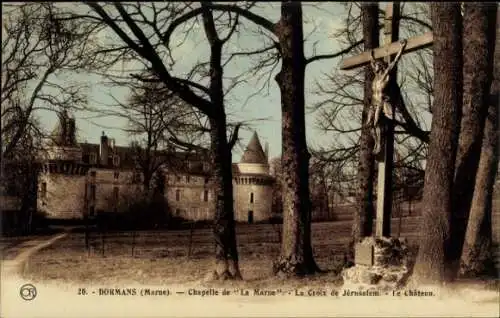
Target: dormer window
93 158
116 160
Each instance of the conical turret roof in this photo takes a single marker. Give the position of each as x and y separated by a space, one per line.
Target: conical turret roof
254 152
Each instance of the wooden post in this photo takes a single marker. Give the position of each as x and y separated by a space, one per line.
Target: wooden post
386 159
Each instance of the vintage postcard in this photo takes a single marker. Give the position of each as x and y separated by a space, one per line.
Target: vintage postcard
250 159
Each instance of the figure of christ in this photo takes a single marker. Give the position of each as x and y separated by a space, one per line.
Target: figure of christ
381 102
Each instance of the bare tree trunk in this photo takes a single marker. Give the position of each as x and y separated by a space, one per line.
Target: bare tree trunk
226 253
296 251
430 266
477 253
479 44
363 214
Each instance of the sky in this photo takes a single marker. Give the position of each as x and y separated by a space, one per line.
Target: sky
262 111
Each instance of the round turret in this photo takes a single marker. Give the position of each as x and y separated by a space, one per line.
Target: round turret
253 184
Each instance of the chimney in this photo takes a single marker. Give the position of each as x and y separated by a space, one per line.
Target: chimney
104 151
267 151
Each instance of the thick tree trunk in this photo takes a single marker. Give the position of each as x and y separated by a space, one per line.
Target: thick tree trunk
430 266
476 253
226 254
476 256
363 215
296 251
479 42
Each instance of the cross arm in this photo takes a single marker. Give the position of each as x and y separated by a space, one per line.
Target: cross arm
413 44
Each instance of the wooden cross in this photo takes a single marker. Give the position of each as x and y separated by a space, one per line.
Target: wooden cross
386 160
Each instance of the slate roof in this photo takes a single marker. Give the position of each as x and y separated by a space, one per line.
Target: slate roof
177 161
254 152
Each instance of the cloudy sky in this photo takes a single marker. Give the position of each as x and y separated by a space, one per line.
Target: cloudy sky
263 110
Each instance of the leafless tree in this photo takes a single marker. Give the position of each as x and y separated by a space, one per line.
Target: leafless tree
288 39
145 34
476 258
158 121
37 52
19 179
479 46
430 266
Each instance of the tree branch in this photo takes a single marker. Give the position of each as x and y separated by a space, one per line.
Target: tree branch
334 55
234 136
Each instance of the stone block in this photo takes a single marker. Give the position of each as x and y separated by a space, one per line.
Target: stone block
379 262
363 254
369 277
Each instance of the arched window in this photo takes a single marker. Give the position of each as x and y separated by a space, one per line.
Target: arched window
251 197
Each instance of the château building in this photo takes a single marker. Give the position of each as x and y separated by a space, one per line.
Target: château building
79 178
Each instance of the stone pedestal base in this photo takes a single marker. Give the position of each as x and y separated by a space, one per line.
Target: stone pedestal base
380 263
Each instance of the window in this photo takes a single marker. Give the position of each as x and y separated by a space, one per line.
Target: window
205 195
93 158
188 179
116 160
92 211
92 173
206 179
177 195
116 175
92 191
178 178
177 212
44 190
251 197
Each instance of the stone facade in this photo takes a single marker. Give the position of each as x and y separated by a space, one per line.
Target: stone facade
190 196
79 178
65 204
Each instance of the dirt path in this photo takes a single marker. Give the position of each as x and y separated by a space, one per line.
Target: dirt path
12 267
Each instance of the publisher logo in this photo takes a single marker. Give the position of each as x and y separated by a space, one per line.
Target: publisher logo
28 292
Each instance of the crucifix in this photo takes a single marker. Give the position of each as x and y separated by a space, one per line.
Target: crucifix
382 112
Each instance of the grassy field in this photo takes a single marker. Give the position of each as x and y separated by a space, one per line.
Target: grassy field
165 257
